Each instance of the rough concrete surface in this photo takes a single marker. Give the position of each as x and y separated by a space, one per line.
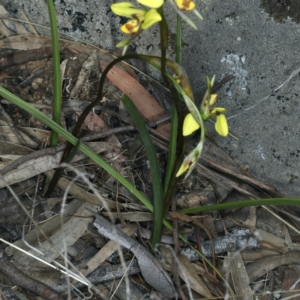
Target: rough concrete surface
256 41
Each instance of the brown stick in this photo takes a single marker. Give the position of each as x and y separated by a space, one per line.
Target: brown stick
18 278
23 57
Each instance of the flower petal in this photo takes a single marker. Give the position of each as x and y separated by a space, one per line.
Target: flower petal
130 27
221 125
151 3
185 4
183 168
219 110
151 17
189 125
187 163
127 9
190 161
213 99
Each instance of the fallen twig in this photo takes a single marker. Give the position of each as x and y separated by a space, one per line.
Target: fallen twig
18 278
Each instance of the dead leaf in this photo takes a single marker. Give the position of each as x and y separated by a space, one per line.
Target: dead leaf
10 27
49 227
151 269
180 216
252 217
187 273
36 164
239 276
134 216
86 69
69 233
268 238
266 264
290 277
193 279
26 42
108 249
142 99
94 122
13 149
253 255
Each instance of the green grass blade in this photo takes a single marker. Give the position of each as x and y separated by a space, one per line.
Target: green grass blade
154 167
172 148
56 72
246 203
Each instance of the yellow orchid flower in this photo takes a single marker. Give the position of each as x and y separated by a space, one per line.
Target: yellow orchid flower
194 120
141 18
190 125
185 4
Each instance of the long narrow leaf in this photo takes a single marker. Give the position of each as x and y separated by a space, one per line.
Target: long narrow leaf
56 72
239 204
156 178
174 119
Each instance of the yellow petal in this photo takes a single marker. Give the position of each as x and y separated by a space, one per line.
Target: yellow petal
220 110
182 169
221 125
151 3
213 99
151 17
185 4
130 27
188 163
189 125
126 9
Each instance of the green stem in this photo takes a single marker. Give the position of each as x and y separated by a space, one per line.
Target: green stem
176 139
172 148
174 119
56 72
